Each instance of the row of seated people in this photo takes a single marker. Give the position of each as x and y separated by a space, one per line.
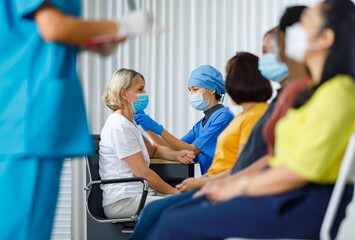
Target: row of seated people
267 172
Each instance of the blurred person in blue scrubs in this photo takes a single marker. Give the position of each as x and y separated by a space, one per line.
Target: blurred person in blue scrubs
206 88
42 112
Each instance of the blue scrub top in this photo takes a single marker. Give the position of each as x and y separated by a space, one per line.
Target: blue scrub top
42 112
205 137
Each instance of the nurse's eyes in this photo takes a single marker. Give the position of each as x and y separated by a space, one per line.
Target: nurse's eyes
193 90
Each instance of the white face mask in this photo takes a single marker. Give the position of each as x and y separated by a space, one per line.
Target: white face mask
296 42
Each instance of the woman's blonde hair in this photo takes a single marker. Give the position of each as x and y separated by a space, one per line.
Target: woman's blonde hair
121 79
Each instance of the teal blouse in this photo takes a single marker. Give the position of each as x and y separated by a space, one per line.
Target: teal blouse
42 111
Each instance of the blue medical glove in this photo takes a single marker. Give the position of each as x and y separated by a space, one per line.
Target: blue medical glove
148 123
138 120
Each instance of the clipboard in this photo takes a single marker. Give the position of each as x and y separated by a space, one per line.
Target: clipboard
106 44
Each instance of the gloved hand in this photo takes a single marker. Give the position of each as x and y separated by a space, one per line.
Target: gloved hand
136 22
148 123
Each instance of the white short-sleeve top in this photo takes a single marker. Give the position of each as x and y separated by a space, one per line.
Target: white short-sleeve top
120 138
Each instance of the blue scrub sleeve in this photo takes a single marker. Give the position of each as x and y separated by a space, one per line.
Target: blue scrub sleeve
207 141
26 8
191 135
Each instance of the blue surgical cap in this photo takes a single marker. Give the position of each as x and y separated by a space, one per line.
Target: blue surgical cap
208 77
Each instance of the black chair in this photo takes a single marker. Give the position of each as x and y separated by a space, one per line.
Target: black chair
94 192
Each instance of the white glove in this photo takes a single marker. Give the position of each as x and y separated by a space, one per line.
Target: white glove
135 22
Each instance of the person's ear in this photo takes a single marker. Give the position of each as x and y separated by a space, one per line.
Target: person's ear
123 94
326 39
281 45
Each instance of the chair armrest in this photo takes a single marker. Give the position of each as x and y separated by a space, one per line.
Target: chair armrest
123 180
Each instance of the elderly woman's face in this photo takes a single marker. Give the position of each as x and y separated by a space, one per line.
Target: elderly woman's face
138 87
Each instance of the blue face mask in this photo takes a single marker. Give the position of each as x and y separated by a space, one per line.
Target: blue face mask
197 101
272 69
143 100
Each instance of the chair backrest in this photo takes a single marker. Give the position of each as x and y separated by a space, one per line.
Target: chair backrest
94 200
93 161
346 172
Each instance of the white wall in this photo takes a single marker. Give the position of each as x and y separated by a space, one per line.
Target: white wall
201 32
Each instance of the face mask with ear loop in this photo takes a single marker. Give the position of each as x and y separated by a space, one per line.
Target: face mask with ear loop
270 67
297 44
197 101
143 100
222 99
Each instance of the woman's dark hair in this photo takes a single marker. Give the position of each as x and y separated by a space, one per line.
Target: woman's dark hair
244 82
291 16
338 15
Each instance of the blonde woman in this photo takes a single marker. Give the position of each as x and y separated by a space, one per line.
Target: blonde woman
125 152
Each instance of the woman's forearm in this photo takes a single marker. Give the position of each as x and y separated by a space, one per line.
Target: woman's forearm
165 153
177 144
257 166
157 139
56 26
183 156
260 183
156 183
140 169
220 175
273 181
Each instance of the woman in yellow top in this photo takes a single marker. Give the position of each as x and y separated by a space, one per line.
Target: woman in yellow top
289 199
248 88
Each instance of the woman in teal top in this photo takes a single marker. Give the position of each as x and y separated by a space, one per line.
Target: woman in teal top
42 112
289 199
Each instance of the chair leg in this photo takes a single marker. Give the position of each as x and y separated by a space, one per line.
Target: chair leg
127 227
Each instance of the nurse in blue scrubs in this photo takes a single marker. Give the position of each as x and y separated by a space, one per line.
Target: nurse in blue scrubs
42 112
206 88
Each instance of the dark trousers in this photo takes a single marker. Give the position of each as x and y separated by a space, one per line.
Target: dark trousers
296 214
151 213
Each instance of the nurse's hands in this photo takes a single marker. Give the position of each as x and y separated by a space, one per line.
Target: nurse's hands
134 23
148 123
185 156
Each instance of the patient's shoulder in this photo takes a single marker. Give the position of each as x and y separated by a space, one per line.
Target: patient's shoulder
118 123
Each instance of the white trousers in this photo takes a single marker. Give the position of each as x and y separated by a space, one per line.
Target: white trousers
128 207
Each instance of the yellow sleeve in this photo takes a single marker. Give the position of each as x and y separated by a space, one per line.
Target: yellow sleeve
250 119
236 134
227 147
311 140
